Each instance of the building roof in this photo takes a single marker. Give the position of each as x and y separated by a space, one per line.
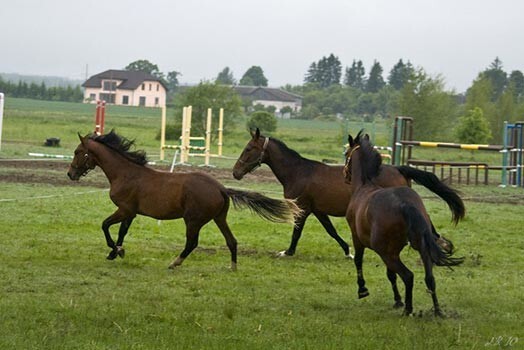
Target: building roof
267 94
130 79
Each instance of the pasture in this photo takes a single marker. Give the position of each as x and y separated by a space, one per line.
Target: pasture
59 292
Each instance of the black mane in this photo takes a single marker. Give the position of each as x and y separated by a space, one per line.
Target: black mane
122 145
370 160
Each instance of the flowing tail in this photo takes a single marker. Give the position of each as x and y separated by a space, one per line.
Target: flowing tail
432 183
419 226
275 210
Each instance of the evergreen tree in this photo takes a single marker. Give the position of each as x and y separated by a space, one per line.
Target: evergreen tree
355 76
375 80
473 127
172 80
400 74
517 79
326 72
498 78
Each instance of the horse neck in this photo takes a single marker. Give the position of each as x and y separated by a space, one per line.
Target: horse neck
357 179
112 164
283 164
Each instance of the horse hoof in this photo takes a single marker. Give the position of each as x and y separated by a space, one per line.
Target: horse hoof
363 294
398 305
121 252
350 256
112 255
233 267
283 254
438 313
407 312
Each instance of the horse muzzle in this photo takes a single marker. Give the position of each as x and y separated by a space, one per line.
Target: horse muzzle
238 175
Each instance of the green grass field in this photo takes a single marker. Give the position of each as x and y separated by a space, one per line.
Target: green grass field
59 292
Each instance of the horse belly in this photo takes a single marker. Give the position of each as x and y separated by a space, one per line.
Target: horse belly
163 202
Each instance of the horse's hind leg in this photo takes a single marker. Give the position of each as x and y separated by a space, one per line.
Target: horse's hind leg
330 229
392 276
192 232
230 239
359 256
430 283
395 264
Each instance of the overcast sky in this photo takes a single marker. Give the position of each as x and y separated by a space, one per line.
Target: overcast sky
454 38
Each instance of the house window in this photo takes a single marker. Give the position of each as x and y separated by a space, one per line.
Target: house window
92 97
157 87
143 86
109 85
125 100
149 87
142 101
109 98
156 101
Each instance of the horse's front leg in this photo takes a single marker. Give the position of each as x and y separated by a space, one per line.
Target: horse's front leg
297 232
115 218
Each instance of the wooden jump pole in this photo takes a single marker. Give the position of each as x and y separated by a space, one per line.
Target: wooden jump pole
1 116
184 154
220 131
163 133
208 137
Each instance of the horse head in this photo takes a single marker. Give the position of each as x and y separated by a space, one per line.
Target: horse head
252 156
82 162
353 146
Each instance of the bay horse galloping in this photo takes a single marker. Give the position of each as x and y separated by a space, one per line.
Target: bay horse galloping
319 189
138 189
385 220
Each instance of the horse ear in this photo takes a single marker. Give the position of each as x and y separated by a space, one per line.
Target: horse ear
82 139
366 137
351 141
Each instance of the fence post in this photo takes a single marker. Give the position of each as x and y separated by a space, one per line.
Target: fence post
1 116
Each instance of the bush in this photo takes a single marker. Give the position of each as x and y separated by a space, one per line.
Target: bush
263 120
473 127
173 132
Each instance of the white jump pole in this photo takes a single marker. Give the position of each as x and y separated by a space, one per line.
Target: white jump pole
186 134
220 130
208 137
163 133
1 116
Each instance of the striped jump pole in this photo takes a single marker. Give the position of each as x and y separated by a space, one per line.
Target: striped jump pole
100 116
466 146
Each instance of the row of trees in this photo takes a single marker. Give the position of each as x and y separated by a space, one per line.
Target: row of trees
41 91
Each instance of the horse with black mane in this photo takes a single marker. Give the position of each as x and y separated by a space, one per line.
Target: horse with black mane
319 189
385 220
138 189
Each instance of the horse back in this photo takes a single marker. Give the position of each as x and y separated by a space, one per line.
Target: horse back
324 191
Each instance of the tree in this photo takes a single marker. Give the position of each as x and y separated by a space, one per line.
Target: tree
265 121
355 76
326 72
432 108
473 127
209 95
254 76
226 77
375 80
517 79
400 74
144 66
172 80
498 78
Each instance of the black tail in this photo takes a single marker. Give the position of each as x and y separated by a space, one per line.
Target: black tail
432 183
275 210
418 226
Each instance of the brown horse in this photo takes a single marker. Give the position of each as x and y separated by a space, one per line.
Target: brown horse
138 189
319 189
385 220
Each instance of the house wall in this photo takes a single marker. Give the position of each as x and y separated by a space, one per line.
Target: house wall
279 104
133 95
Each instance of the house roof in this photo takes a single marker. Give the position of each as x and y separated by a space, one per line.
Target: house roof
267 94
130 79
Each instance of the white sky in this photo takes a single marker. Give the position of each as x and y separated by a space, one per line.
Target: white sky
454 38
